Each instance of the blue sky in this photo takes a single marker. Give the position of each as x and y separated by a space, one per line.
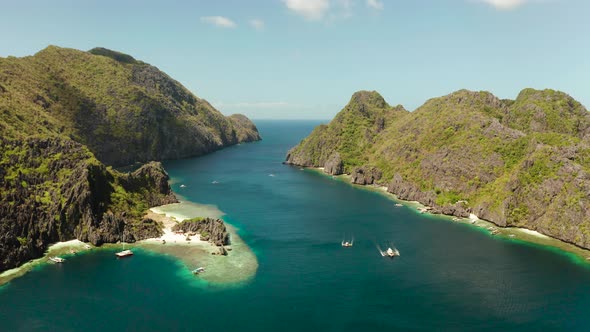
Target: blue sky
303 59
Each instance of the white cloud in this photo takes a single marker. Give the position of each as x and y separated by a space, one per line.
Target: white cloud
375 4
310 9
257 24
219 21
318 10
505 4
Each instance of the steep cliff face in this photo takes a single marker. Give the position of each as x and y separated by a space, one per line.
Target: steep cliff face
212 230
122 109
522 162
55 190
65 115
350 133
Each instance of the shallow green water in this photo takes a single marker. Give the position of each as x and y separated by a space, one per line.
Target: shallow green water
450 276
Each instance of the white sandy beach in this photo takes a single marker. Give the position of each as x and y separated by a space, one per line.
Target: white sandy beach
66 244
172 238
172 214
513 232
56 249
533 233
240 265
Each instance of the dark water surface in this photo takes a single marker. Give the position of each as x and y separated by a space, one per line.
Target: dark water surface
449 277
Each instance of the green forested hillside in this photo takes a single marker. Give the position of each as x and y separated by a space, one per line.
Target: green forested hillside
67 114
124 110
521 162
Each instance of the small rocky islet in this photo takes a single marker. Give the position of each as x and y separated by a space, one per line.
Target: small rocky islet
68 118
516 163
212 230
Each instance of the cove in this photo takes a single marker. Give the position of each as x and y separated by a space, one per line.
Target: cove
449 276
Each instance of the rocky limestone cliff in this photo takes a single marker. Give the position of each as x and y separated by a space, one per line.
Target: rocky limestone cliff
245 130
55 190
122 109
212 230
334 165
343 142
66 114
522 162
365 175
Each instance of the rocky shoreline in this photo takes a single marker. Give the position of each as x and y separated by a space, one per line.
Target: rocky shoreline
512 162
70 195
78 115
512 233
227 258
209 233
228 262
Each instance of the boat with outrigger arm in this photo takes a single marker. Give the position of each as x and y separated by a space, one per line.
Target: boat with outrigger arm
391 252
199 270
56 259
125 252
347 243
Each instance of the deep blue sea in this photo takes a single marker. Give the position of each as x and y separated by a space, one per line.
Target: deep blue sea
450 276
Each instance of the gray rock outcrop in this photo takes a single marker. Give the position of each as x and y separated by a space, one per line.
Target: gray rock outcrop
334 165
365 175
212 230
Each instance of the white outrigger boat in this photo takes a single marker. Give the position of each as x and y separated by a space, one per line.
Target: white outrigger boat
390 253
199 270
345 243
57 259
348 244
124 253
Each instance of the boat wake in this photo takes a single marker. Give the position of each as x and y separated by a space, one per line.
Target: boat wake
390 252
347 243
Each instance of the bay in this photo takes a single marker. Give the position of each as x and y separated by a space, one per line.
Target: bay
450 276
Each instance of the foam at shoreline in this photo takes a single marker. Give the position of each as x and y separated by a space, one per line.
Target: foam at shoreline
516 234
187 210
238 266
533 233
62 249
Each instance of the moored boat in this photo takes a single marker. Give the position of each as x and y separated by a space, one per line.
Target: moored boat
198 270
124 253
57 259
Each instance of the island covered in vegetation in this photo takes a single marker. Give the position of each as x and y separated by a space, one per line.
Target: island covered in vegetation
67 117
517 163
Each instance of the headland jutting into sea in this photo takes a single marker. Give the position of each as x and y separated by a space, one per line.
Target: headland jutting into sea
515 163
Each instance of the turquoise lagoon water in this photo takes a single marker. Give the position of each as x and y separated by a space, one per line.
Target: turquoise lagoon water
449 277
